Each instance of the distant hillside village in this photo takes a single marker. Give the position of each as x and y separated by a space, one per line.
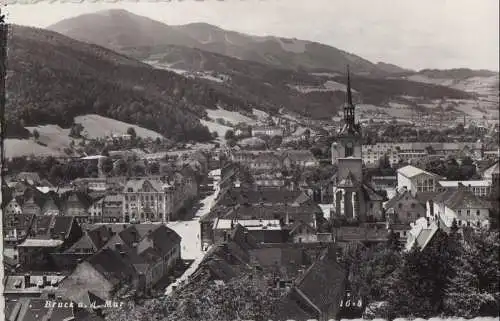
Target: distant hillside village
313 225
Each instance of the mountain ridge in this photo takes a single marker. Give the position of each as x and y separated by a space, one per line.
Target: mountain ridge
277 51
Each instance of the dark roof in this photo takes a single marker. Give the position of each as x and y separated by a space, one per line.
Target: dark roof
21 222
371 194
304 212
240 236
93 238
251 196
323 282
461 198
392 203
112 266
291 307
51 226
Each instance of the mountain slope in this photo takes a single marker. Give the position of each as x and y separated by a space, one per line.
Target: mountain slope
318 95
52 79
126 32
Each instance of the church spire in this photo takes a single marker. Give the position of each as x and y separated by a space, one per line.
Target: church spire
349 93
349 106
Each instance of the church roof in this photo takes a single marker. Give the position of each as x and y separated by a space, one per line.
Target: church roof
349 181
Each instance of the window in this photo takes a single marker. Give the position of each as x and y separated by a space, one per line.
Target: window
412 205
468 212
400 205
478 212
459 212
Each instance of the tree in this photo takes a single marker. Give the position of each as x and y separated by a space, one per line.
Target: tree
36 134
107 165
239 299
462 296
393 242
131 132
229 135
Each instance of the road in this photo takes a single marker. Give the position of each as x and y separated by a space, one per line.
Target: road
189 231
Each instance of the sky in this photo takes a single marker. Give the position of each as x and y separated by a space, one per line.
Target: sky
413 34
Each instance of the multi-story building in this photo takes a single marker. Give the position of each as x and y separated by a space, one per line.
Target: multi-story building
154 200
459 205
410 152
416 180
479 188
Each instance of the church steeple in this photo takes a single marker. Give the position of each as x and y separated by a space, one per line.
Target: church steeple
350 126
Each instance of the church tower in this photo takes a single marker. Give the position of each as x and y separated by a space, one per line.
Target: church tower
349 138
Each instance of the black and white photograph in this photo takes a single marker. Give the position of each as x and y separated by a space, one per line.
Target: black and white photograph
257 160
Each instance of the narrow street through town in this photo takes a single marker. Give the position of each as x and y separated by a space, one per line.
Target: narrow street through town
189 231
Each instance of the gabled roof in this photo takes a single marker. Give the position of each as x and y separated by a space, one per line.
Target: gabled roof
112 266
398 197
371 194
412 171
464 199
323 282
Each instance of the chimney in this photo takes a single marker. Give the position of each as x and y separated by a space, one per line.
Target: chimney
27 280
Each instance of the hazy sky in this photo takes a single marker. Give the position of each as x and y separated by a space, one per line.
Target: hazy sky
409 33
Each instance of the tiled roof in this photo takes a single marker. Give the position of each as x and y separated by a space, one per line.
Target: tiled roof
464 199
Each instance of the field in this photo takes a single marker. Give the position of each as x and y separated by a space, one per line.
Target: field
55 139
229 116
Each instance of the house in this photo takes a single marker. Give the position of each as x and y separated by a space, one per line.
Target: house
301 232
272 179
316 294
48 234
156 200
267 131
404 208
417 180
91 183
16 228
421 234
480 188
492 173
31 177
265 162
152 249
13 206
76 204
106 274
300 159
459 205
112 208
264 231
